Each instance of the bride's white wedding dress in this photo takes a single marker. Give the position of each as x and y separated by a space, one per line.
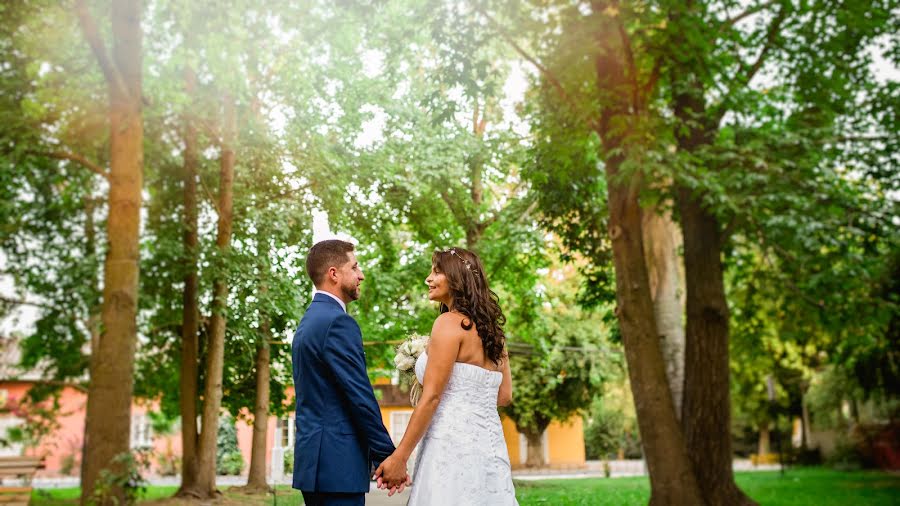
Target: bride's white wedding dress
462 459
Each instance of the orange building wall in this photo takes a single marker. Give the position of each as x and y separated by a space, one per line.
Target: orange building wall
566 443
511 435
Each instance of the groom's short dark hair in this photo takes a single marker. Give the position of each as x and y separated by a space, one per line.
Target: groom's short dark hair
324 255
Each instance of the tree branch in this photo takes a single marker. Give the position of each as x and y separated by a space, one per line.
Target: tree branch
92 34
652 79
728 23
23 302
749 73
629 57
524 54
454 208
80 159
771 38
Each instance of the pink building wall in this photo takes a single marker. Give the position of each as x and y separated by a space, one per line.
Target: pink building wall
68 437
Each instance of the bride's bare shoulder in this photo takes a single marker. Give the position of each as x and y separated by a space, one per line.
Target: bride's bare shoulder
452 321
448 325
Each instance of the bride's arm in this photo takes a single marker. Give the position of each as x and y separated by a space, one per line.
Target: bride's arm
443 348
505 394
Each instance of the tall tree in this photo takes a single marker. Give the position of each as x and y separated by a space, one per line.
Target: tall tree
108 417
619 82
189 377
700 58
205 486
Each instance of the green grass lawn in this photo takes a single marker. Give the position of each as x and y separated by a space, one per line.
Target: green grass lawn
799 487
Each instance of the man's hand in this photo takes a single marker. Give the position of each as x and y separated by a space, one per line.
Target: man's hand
394 490
392 474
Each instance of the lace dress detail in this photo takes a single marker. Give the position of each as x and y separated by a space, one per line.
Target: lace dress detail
462 459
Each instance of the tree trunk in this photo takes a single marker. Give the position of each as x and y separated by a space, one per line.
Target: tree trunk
212 392
672 481
108 417
764 446
804 425
662 240
706 412
190 308
706 419
256 480
476 225
90 250
95 318
535 456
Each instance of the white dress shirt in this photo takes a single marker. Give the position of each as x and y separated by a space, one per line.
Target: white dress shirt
333 296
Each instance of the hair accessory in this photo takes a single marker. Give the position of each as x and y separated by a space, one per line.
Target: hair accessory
467 263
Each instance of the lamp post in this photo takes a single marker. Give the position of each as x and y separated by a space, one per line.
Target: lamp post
770 388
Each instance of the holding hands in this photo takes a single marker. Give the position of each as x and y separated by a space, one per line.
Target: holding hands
392 475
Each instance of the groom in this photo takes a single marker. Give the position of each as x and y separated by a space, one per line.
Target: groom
340 436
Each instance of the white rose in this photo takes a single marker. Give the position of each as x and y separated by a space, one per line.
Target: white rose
418 346
404 362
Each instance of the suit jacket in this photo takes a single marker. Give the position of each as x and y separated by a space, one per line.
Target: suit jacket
339 432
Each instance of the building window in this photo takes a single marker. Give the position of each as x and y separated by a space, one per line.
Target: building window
141 434
284 432
399 422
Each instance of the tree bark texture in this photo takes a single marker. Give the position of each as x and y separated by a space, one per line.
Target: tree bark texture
764 446
190 308
672 481
108 416
256 479
662 238
706 414
212 392
535 456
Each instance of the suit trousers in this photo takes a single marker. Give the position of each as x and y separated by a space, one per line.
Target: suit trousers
333 499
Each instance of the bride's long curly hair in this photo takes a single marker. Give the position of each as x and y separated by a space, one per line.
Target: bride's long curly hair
473 298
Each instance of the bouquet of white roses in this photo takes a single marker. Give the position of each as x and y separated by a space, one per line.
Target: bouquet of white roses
405 360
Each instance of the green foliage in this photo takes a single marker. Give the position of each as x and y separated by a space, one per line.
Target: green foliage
604 432
40 410
67 465
125 474
229 459
610 424
557 375
289 461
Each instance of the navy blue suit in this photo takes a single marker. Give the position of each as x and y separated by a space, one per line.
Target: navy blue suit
339 433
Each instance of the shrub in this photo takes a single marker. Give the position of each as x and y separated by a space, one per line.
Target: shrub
168 464
128 477
231 464
67 465
289 461
227 447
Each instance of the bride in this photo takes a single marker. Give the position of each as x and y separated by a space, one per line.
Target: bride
465 375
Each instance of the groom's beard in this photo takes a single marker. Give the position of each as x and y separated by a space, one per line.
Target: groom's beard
351 292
